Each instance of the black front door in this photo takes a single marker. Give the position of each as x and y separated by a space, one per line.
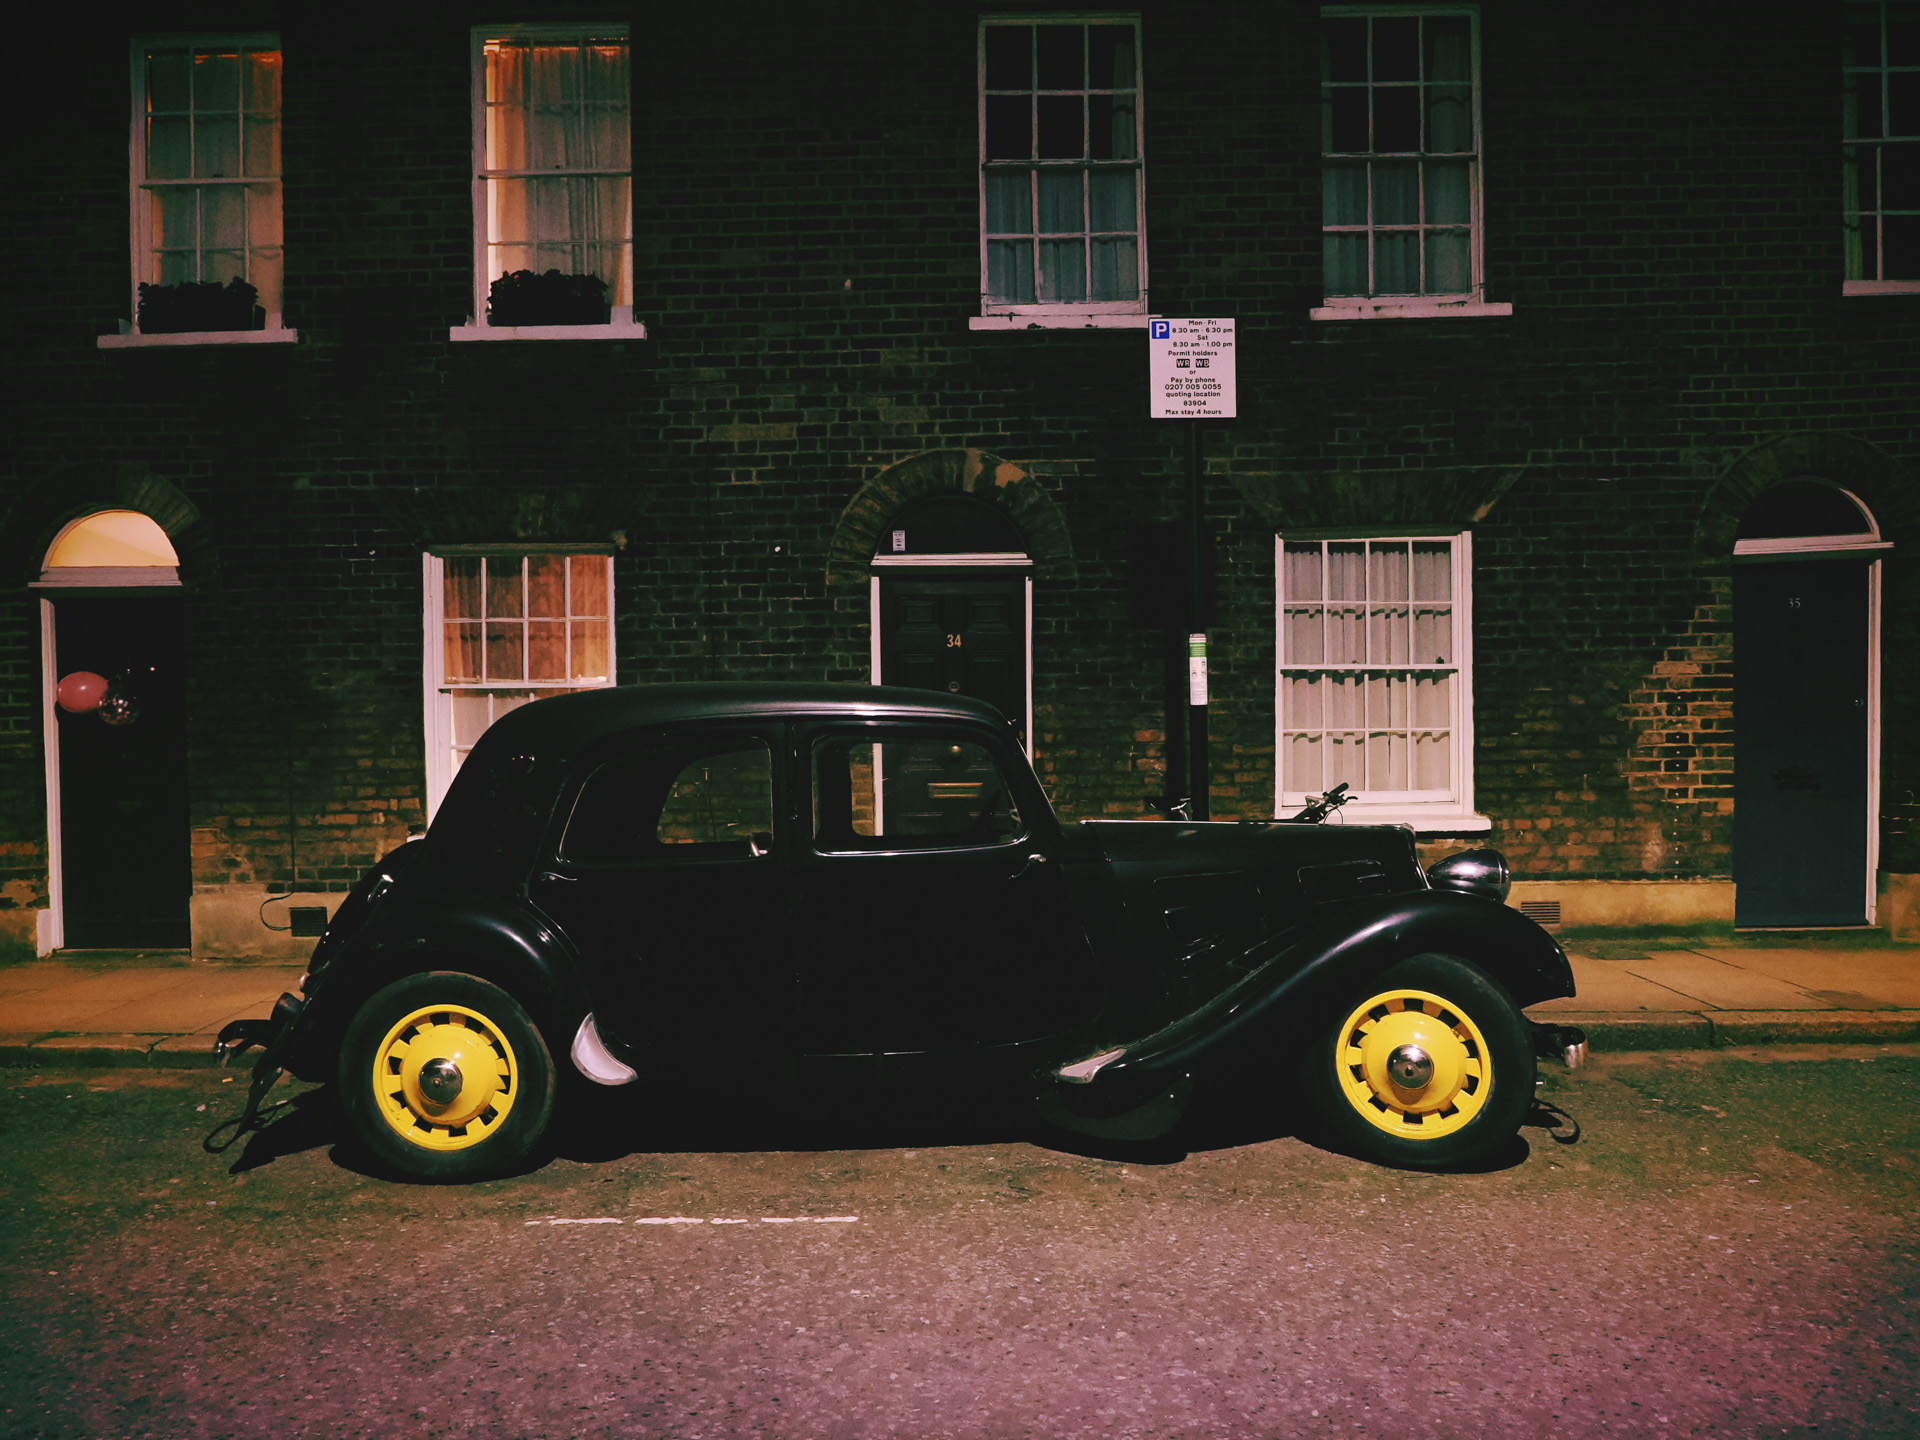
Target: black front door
124 859
1800 742
670 881
959 634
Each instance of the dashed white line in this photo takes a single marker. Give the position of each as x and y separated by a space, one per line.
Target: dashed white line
697 1220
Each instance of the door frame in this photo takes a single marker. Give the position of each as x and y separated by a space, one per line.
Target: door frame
102 582
956 562
1786 550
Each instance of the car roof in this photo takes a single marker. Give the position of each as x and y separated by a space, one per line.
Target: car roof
490 824
566 723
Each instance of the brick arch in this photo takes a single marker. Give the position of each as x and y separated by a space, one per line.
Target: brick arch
76 491
970 472
1885 488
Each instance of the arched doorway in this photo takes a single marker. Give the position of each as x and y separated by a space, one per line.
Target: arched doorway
119 870
1806 704
952 595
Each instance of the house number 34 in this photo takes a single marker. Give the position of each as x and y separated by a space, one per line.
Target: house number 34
954 642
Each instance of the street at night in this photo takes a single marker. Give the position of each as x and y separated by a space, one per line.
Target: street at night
1730 1248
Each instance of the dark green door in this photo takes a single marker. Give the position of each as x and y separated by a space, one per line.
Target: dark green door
124 860
1800 742
959 634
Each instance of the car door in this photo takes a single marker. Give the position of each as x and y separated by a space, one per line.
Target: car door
670 876
931 912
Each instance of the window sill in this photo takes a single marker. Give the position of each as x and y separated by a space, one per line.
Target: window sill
1406 309
1062 317
131 339
622 327
1425 821
1880 287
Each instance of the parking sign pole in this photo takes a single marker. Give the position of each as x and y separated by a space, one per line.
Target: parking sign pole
1192 372
1200 782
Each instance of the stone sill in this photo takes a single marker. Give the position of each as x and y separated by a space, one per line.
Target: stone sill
1880 287
1407 309
1065 318
622 327
131 339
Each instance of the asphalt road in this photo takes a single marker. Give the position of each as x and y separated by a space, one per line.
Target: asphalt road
1729 1249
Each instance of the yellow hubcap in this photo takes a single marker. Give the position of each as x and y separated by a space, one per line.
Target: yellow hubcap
1402 1035
444 1077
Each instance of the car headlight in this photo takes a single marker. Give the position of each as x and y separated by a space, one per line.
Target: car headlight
1475 872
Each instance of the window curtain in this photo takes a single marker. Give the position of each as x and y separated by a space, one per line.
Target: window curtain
561 109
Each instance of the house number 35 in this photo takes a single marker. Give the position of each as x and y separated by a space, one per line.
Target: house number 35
954 642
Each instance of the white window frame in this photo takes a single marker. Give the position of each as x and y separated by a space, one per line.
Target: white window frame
1090 314
1472 301
620 325
442 763
1451 813
1875 146
140 200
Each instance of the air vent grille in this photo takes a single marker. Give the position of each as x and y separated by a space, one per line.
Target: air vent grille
310 920
1541 912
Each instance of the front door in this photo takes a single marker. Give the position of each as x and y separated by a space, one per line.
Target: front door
959 634
1800 714
670 878
126 876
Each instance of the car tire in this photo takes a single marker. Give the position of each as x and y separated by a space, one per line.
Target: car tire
444 1077
1430 1067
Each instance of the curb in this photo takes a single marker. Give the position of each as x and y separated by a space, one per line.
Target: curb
1617 1031
106 1052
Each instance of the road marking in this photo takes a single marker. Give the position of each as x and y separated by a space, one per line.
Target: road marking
695 1220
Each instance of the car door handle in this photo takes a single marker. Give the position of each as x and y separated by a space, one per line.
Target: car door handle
1036 858
556 875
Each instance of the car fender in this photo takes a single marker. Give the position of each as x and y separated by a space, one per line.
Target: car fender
475 934
1300 977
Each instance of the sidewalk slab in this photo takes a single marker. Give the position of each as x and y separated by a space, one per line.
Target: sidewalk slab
1610 986
67 999
197 1001
1721 984
1884 978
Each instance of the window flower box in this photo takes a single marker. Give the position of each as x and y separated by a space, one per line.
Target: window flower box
195 306
520 297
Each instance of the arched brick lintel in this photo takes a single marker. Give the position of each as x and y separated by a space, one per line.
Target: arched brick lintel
1888 491
969 472
74 491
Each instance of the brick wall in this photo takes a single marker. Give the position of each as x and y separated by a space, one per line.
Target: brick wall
1661 217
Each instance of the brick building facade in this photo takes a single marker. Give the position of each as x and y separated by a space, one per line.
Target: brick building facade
1632 298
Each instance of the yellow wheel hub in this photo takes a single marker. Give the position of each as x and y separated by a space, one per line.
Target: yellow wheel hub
444 1077
1413 1064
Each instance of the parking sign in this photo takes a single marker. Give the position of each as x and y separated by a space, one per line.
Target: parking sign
1190 366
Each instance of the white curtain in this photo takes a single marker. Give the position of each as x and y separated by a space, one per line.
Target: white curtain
562 109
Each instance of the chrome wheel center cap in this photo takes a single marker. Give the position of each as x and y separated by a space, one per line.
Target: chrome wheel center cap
440 1081
1410 1067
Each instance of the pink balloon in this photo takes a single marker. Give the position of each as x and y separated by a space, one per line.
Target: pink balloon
81 691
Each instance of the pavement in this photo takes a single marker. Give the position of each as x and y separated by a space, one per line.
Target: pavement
163 1009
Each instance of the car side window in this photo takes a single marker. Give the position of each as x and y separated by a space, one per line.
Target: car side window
909 792
675 802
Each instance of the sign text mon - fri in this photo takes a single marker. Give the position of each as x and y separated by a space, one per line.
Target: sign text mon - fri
1190 366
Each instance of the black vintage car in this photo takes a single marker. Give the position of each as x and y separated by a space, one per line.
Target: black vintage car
760 888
